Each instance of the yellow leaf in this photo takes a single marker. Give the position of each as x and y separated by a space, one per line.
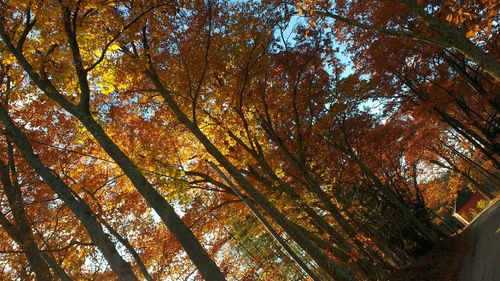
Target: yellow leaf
114 47
8 59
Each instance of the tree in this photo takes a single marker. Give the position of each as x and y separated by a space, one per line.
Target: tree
81 111
446 24
317 140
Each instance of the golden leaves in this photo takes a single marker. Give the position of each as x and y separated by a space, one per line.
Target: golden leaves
472 33
107 80
7 59
476 17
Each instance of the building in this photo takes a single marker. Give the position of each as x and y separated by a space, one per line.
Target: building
465 205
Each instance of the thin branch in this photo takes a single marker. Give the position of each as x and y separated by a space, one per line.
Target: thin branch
71 244
388 31
118 34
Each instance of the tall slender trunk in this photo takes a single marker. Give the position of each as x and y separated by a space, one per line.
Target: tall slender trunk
14 197
203 262
488 148
124 241
476 185
29 248
58 270
431 236
331 267
314 187
323 225
452 37
198 255
336 237
22 234
490 176
289 190
267 225
80 208
395 254
339 218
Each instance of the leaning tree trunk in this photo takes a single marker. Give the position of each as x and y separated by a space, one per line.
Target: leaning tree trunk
207 267
22 233
267 225
80 208
453 38
332 268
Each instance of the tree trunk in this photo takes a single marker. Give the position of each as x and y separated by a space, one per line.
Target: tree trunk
207 267
23 234
29 248
332 268
488 150
432 237
58 270
182 233
455 39
81 210
335 236
124 241
267 225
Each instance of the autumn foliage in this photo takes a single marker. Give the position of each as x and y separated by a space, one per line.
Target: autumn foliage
228 140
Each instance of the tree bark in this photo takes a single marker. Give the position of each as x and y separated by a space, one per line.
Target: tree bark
207 267
22 234
267 225
30 249
455 39
124 241
432 237
198 255
80 208
332 268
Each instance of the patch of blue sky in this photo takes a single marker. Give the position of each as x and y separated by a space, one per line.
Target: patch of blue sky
285 37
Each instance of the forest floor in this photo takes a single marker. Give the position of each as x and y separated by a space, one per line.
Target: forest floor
471 255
